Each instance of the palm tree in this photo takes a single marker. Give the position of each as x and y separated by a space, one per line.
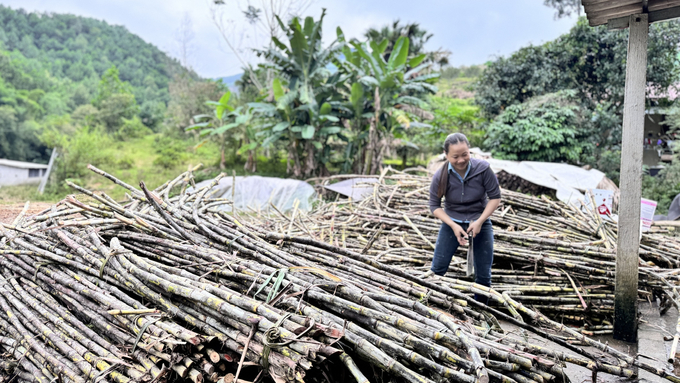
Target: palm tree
418 37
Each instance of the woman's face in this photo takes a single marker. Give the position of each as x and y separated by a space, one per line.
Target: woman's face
458 156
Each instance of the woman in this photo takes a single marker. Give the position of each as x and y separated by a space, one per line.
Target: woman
471 194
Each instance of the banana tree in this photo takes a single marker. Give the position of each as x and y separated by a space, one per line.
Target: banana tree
228 126
300 108
382 96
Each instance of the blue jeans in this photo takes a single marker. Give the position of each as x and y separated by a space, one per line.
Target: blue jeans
447 244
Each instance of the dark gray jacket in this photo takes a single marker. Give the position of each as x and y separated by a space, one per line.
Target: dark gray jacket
465 201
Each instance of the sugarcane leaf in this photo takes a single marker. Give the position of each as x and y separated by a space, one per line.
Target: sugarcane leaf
265 283
277 284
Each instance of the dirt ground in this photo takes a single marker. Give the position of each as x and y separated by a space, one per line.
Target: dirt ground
9 211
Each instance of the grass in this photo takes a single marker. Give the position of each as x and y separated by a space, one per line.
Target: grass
461 87
134 160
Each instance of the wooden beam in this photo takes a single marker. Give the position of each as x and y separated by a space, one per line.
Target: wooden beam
628 243
43 181
654 17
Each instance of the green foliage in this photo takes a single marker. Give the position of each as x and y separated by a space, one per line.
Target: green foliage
301 114
188 98
472 71
171 153
664 187
50 66
132 128
546 128
80 49
230 127
387 37
590 61
450 115
19 140
110 85
86 146
564 8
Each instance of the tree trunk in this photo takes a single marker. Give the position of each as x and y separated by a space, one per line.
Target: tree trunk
222 148
310 160
251 164
379 151
370 149
294 166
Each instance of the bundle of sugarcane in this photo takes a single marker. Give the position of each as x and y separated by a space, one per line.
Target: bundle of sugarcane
556 258
166 288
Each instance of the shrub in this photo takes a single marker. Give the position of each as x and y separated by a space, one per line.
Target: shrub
171 153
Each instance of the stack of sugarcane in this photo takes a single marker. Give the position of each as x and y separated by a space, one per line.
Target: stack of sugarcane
553 257
164 288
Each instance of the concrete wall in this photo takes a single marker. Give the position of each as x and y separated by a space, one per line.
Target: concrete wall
15 176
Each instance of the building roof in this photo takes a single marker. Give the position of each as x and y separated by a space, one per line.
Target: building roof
615 13
21 164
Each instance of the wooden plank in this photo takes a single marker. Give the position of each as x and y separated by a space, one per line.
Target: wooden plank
600 7
659 5
625 11
654 17
628 243
591 2
43 181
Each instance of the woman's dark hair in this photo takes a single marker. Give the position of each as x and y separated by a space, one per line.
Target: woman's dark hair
451 139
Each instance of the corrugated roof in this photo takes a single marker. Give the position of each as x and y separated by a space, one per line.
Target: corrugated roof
600 12
21 164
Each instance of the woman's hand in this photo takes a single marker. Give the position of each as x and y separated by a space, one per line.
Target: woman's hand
460 234
475 227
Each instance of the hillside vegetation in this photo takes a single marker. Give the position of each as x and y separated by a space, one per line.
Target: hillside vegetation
51 69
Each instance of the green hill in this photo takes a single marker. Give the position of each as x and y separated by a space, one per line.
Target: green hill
51 67
81 49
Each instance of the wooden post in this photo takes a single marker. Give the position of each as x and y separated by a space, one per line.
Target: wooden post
628 244
43 181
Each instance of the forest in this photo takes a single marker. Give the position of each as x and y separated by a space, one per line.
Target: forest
315 105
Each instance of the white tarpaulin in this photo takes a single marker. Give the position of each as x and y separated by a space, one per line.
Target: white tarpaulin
351 188
569 182
257 192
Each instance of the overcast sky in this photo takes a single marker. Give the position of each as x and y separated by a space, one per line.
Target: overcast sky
474 31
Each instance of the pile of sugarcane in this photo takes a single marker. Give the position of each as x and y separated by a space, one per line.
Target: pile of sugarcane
553 257
168 287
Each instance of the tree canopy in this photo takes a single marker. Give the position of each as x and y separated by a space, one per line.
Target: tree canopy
589 61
